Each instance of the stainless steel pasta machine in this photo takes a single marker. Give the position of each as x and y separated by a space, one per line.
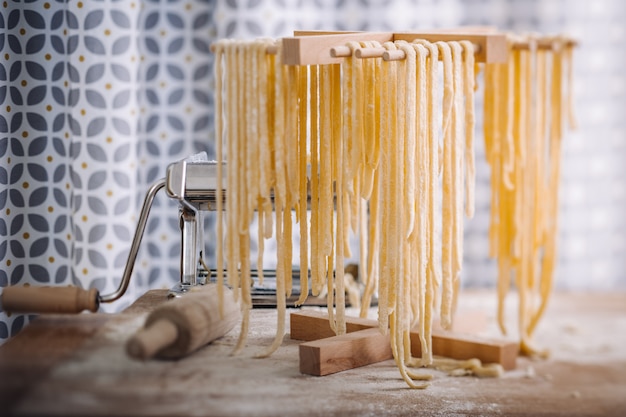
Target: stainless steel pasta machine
192 182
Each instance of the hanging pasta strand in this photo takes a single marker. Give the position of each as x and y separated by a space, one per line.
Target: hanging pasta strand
387 131
458 174
524 200
567 58
342 211
409 238
415 178
549 259
395 181
371 222
326 212
433 273
385 151
370 148
424 239
259 130
447 285
302 187
233 201
469 70
317 280
280 287
353 98
244 95
522 258
410 103
349 132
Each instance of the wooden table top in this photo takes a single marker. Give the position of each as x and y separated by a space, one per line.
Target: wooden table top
76 365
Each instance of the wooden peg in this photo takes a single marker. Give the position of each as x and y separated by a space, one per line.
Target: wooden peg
399 54
340 51
312 325
369 52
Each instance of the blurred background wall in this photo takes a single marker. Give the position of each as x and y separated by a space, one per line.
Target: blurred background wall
98 97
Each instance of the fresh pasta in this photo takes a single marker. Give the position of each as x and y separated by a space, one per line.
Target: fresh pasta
358 144
524 113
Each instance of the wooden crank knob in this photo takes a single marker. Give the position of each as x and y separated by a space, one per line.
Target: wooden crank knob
33 299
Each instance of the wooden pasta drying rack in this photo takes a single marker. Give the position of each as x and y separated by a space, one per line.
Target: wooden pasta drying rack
322 352
319 48
322 47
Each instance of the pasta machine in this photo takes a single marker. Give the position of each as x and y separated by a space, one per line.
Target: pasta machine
193 183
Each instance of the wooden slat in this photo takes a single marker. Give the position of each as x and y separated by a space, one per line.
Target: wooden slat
493 46
340 353
466 346
313 48
313 325
310 48
332 354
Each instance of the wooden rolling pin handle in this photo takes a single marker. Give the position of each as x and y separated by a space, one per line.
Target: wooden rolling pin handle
49 299
147 342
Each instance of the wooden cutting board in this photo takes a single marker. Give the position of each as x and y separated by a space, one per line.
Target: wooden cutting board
76 365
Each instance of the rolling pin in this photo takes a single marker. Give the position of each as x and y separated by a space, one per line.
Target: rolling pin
185 324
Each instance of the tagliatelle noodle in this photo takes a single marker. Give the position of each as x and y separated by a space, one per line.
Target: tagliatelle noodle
447 183
433 276
387 133
406 308
425 240
303 189
291 169
469 71
393 176
523 226
259 130
342 211
458 174
555 137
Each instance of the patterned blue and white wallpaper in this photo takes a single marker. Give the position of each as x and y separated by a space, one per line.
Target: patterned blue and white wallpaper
98 97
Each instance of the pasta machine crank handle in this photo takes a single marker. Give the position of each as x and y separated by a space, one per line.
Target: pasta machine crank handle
33 299
134 247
